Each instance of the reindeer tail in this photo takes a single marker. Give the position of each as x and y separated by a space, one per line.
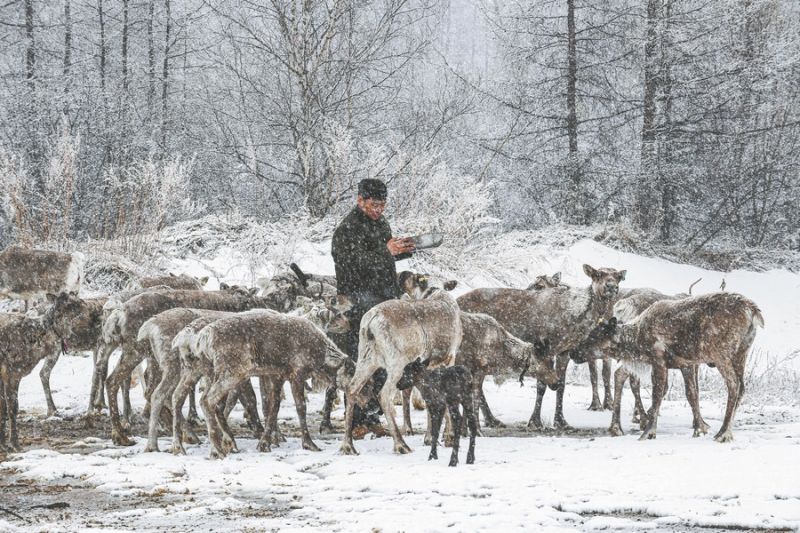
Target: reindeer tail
112 327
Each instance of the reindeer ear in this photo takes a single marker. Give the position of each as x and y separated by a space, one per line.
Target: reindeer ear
50 297
589 271
252 291
402 279
203 280
450 285
557 277
224 286
427 362
621 275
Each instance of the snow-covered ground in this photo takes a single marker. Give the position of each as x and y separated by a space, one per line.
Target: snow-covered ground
583 480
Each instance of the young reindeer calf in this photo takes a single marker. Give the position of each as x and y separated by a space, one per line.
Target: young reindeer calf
444 388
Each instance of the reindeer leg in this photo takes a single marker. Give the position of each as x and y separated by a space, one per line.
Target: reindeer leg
659 390
129 360
270 393
490 419
639 412
407 428
3 414
472 425
247 395
170 377
595 405
607 401
180 430
210 401
735 386
325 425
620 376
535 421
298 392
44 375
455 422
387 404
699 425
436 409
558 419
12 402
96 396
363 373
192 417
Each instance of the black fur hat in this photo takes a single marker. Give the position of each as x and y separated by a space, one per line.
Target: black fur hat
372 188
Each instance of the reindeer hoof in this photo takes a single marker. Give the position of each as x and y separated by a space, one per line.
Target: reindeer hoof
347 448
190 437
608 405
216 454
535 425
150 449
309 445
453 461
647 435
408 431
263 446
177 449
433 455
121 440
702 429
401 448
562 425
448 441
615 431
325 427
229 445
495 423
596 406
724 437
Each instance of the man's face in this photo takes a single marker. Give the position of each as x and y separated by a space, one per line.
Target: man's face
371 207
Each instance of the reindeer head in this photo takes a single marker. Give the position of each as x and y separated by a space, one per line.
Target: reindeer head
412 373
605 281
602 340
65 308
532 360
545 282
330 318
416 285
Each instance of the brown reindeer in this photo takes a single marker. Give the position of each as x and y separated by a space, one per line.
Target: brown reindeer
26 274
24 341
122 327
270 344
180 282
716 329
556 319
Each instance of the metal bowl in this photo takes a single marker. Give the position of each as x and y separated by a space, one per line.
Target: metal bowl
428 240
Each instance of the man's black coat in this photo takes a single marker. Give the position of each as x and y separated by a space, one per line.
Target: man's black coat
365 270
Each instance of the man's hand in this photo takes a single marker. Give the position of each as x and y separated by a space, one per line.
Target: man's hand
400 245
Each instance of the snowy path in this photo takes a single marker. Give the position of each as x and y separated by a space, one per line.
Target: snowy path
523 482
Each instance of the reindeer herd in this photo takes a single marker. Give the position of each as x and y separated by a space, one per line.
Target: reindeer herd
429 339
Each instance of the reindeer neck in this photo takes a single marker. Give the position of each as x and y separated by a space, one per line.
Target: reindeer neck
602 306
626 345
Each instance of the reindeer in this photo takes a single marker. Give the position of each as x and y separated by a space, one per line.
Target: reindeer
122 327
159 332
270 344
85 335
180 282
556 319
24 341
27 274
103 353
396 332
716 329
488 348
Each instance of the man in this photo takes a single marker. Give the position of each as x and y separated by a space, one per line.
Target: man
364 254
